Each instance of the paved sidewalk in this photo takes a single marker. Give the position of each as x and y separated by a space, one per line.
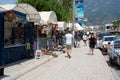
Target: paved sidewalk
80 67
17 69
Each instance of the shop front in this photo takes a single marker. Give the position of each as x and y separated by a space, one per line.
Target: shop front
49 26
16 32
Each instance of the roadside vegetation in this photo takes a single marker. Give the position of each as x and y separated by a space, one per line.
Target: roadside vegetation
62 8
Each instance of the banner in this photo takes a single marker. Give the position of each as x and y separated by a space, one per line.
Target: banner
84 25
79 10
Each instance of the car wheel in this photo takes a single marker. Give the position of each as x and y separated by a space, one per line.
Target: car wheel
111 61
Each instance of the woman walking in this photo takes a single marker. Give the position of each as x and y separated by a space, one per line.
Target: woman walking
92 43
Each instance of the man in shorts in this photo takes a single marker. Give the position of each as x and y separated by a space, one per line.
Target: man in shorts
69 38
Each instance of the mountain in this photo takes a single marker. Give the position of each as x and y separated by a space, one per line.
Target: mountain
101 11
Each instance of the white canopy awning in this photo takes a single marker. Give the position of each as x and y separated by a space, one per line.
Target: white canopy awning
31 12
78 27
69 25
61 25
48 17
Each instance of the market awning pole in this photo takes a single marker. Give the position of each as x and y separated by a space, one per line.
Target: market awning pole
37 39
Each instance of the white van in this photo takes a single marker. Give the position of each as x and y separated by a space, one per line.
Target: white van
108 27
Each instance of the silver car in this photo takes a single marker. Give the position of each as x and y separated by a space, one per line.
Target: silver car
100 37
103 44
114 52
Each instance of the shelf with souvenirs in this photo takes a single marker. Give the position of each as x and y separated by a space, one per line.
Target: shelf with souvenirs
13 31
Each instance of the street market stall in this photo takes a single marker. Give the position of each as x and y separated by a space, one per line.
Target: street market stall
49 23
16 29
78 27
61 25
69 26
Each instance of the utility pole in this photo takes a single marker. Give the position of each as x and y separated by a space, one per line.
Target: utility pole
73 20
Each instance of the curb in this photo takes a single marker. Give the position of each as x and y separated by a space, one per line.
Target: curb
30 68
108 68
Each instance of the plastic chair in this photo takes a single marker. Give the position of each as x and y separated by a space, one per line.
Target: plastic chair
38 54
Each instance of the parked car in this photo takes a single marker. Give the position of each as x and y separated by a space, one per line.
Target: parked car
107 40
118 37
114 52
100 37
101 34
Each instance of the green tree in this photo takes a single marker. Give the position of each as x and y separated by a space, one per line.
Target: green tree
116 24
67 6
62 8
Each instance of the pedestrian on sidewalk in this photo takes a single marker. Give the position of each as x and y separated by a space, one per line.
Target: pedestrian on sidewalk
77 39
85 39
69 38
92 43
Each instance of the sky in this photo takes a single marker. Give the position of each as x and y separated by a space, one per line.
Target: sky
7 1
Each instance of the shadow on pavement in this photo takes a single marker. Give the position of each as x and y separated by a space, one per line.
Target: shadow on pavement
114 65
90 54
4 76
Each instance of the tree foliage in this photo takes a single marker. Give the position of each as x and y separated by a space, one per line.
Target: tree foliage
62 8
116 23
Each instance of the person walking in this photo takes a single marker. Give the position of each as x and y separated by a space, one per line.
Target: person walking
79 38
92 43
69 38
85 39
76 39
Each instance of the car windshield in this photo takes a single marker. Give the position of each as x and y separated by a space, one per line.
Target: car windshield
103 34
117 44
110 38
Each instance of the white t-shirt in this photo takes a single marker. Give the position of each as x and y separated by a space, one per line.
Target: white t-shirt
68 38
84 37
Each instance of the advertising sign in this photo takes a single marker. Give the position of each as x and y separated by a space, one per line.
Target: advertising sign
84 25
79 10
